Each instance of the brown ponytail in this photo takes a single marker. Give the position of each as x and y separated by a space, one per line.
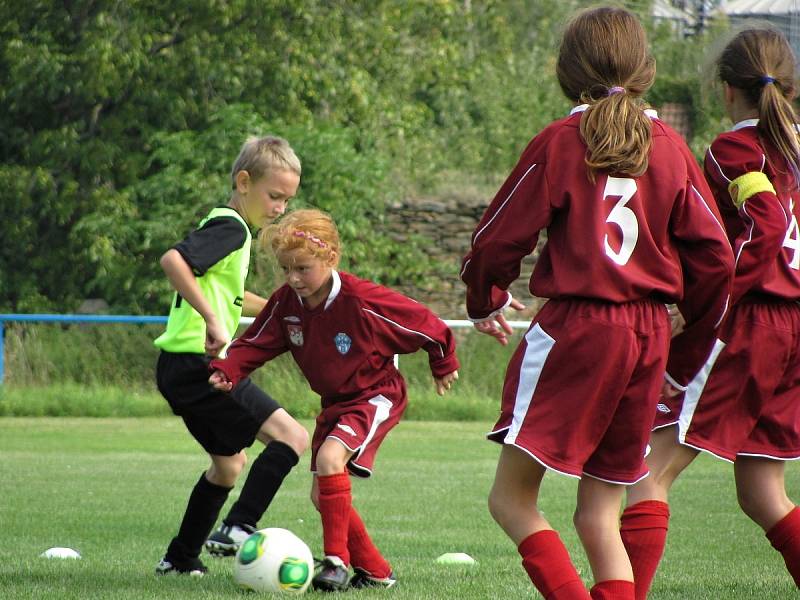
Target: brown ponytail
603 61
760 62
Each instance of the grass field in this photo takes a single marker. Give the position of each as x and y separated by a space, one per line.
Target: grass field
114 489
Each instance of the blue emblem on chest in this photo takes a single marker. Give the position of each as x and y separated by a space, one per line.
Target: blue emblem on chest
343 343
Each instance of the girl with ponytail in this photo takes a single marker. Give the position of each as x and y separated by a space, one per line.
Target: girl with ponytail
744 405
630 227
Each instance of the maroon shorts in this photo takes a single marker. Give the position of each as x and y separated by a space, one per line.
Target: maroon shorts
361 424
745 401
582 387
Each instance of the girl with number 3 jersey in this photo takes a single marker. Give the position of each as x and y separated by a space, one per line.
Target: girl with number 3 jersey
631 225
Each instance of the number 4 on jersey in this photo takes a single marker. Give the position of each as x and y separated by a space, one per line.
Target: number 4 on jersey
792 239
621 190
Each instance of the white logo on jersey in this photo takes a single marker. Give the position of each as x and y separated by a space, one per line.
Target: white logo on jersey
346 429
343 343
792 239
623 217
663 408
292 319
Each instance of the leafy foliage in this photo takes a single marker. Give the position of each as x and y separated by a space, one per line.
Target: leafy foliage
119 120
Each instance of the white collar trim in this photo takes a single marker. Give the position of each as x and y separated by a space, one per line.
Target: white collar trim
335 289
578 109
652 113
745 123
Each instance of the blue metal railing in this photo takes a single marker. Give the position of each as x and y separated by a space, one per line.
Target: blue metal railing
140 320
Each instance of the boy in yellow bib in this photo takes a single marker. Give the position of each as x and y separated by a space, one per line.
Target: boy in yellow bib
208 271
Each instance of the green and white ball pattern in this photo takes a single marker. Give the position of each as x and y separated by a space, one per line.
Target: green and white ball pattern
274 560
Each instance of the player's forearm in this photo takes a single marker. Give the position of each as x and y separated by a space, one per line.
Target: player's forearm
241 360
253 304
183 280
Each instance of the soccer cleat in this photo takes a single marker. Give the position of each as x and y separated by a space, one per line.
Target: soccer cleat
193 567
226 540
332 575
362 579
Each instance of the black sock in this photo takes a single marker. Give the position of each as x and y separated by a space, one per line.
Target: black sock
205 502
263 481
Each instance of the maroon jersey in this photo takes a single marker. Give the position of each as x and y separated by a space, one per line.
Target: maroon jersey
617 239
347 344
763 230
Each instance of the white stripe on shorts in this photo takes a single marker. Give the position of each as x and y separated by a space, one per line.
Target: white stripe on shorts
537 347
382 407
695 390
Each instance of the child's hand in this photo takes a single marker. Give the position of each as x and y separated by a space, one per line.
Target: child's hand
669 391
220 381
216 337
676 319
443 383
501 333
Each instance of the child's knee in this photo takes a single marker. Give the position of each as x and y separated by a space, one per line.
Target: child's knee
282 428
586 523
498 507
225 471
332 458
297 439
591 524
750 501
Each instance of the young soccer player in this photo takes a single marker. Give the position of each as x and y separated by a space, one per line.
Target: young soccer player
208 270
629 228
744 405
343 332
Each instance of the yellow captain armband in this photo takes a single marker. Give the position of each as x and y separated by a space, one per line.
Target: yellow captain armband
748 185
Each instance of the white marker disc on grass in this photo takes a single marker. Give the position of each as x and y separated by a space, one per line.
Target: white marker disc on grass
456 558
60 553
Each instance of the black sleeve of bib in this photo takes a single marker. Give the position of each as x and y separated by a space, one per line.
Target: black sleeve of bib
205 247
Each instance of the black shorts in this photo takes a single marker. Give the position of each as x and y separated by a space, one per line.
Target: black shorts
223 423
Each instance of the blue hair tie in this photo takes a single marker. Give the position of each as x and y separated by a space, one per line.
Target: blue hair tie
766 80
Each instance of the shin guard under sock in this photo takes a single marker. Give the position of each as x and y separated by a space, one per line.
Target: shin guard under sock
263 481
202 510
334 509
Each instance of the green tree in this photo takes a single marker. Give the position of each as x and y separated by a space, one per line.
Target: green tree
118 120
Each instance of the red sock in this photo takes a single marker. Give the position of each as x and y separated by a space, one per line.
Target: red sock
363 552
613 589
548 565
785 538
334 508
644 533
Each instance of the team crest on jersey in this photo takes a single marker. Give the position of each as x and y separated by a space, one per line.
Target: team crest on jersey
343 343
295 334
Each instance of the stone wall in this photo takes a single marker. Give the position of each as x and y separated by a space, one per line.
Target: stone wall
446 224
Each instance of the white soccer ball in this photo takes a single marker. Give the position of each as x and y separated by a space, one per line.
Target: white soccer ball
274 560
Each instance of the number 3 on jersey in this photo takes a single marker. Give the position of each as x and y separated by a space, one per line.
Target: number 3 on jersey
621 190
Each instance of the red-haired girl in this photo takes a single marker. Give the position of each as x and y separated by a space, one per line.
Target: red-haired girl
343 332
